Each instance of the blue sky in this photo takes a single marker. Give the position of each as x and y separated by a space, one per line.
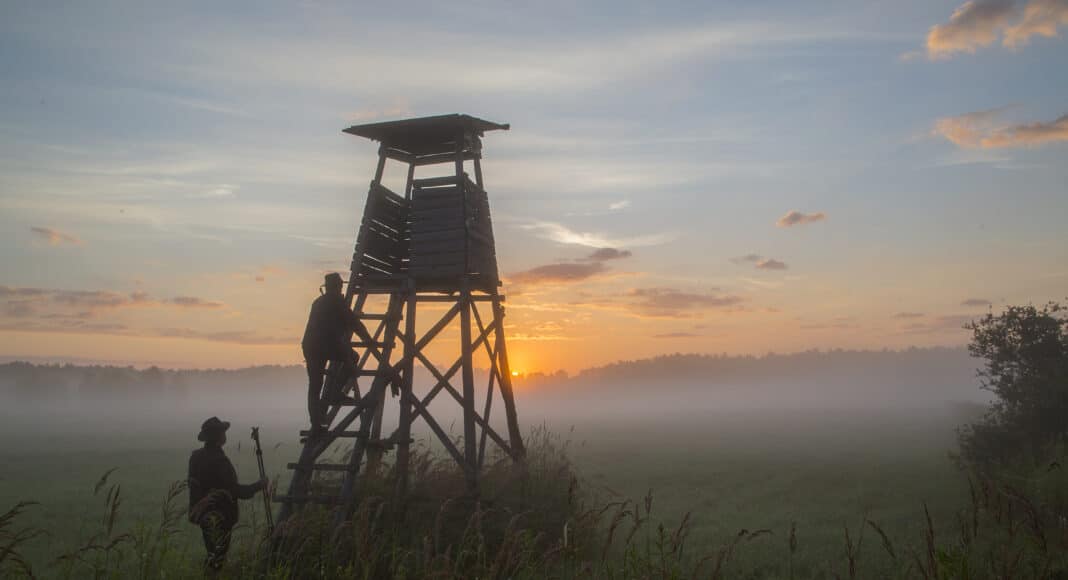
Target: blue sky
193 150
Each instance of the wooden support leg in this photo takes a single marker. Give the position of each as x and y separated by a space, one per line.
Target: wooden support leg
505 375
470 443
404 427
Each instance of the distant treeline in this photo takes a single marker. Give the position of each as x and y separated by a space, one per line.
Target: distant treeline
26 381
930 366
781 366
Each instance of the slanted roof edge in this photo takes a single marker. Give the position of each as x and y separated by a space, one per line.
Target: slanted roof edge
402 129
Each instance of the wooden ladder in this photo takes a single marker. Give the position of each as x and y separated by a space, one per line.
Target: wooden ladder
371 358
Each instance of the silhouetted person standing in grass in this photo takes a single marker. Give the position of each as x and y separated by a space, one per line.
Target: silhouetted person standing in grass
214 491
330 325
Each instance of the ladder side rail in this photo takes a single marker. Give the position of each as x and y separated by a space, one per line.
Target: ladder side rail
367 416
301 479
358 363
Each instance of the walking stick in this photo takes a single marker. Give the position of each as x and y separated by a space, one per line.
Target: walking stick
263 477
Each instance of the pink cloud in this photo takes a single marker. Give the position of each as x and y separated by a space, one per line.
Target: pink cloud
796 218
55 237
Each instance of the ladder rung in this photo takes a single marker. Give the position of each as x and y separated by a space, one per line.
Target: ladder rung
321 467
362 344
308 499
346 402
370 373
366 316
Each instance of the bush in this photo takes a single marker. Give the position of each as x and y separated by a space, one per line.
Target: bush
1026 367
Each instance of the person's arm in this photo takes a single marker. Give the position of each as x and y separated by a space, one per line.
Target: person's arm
249 490
230 483
348 315
354 320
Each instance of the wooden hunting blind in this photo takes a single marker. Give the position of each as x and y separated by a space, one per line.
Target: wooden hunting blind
431 246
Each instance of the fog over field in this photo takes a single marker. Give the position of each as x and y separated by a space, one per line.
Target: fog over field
816 438
773 393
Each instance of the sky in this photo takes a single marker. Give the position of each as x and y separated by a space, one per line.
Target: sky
705 177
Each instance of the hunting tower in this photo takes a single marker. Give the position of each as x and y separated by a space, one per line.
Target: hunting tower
426 249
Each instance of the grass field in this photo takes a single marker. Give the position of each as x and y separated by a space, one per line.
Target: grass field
815 472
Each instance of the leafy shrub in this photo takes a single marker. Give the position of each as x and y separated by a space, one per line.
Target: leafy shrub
1026 367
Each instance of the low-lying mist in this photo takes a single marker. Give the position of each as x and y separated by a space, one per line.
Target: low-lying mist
821 400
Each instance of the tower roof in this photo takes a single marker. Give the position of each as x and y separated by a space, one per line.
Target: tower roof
424 135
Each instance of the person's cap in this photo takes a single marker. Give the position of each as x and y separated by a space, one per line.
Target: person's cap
333 278
212 428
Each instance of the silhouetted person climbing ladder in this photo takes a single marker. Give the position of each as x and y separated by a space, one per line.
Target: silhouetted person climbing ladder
330 325
214 491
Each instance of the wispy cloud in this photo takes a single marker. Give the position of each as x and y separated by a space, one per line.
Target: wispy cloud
975 302
84 303
245 337
619 205
194 302
677 335
771 264
796 218
760 262
1040 18
1029 134
675 303
661 302
9 291
221 192
973 25
513 66
748 258
907 315
979 23
55 237
562 273
241 337
967 130
590 266
984 130
605 254
564 235
100 299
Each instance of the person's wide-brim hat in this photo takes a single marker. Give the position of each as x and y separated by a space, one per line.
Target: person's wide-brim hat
212 428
